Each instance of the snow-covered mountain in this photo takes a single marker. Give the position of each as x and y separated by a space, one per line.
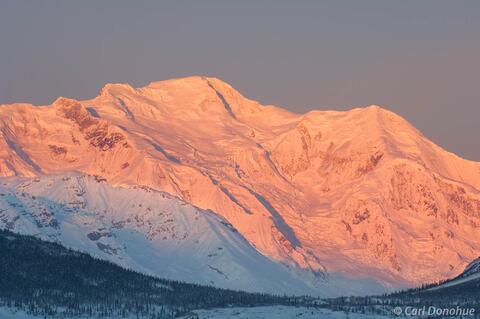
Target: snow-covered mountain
148 231
333 196
141 229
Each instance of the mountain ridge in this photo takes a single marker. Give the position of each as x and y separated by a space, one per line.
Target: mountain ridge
360 192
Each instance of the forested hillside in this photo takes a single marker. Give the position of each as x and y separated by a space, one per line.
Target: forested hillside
46 279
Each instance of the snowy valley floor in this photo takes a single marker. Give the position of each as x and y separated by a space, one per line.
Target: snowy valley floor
276 312
273 312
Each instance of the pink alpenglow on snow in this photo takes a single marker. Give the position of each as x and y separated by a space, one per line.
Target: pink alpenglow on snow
325 202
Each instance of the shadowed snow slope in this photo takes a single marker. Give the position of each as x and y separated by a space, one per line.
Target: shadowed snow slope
141 229
148 231
335 197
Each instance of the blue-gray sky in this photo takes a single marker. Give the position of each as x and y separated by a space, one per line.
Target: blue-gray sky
421 59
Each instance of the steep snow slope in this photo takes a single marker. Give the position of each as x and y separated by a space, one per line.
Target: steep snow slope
357 194
141 229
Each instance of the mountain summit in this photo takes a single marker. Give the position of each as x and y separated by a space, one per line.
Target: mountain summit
334 197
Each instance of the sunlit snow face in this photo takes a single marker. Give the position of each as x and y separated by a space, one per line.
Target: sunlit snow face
331 202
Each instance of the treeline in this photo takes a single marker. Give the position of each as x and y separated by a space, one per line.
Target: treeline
47 279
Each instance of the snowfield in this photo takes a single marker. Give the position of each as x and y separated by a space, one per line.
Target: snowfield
8 313
273 312
276 312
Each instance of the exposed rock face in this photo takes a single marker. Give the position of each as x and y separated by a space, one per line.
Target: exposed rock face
95 131
360 193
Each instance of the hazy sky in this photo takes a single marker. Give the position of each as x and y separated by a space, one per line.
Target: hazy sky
420 59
